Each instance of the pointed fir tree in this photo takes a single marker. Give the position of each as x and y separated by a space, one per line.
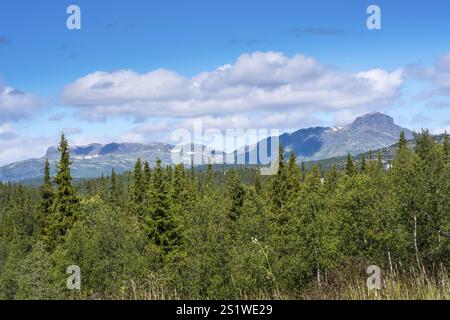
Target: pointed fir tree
162 228
137 196
147 175
194 184
257 181
101 191
446 148
278 193
114 190
46 201
294 176
331 179
402 143
303 170
363 165
236 195
209 179
65 209
350 167
180 186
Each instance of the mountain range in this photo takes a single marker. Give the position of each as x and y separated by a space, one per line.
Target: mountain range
369 132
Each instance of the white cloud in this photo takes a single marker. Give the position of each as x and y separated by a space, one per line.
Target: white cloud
15 104
440 130
161 130
438 76
257 82
441 74
16 147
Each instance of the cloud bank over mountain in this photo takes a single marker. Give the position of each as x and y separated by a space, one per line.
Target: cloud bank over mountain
256 82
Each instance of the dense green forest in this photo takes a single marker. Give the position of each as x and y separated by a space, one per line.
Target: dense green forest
176 232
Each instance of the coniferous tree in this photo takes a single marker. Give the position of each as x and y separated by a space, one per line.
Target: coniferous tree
137 197
46 202
446 148
180 187
257 182
363 165
279 190
101 191
350 167
209 179
236 195
162 225
294 176
146 176
402 143
331 179
114 190
303 170
65 209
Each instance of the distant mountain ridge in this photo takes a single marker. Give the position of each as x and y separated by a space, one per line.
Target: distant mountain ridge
368 132
91 160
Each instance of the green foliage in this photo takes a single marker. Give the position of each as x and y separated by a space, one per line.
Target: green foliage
205 233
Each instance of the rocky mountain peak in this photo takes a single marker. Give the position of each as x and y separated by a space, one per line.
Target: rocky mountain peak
375 120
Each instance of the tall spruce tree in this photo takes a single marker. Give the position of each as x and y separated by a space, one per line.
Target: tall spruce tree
209 178
161 224
236 195
279 189
46 201
101 191
363 165
65 209
350 167
137 196
446 148
294 176
114 190
402 143
146 175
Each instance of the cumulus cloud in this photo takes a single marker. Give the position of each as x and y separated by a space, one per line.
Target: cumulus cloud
17 147
441 74
438 76
16 104
440 130
162 129
257 82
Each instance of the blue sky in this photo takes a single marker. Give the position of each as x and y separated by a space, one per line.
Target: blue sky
56 70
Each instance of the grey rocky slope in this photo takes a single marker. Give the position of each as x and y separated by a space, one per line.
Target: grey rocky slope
368 132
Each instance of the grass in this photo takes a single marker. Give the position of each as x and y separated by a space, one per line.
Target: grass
397 284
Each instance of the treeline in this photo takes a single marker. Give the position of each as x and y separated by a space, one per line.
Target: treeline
176 232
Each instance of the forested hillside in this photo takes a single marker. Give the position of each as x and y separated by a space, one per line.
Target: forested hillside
176 232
